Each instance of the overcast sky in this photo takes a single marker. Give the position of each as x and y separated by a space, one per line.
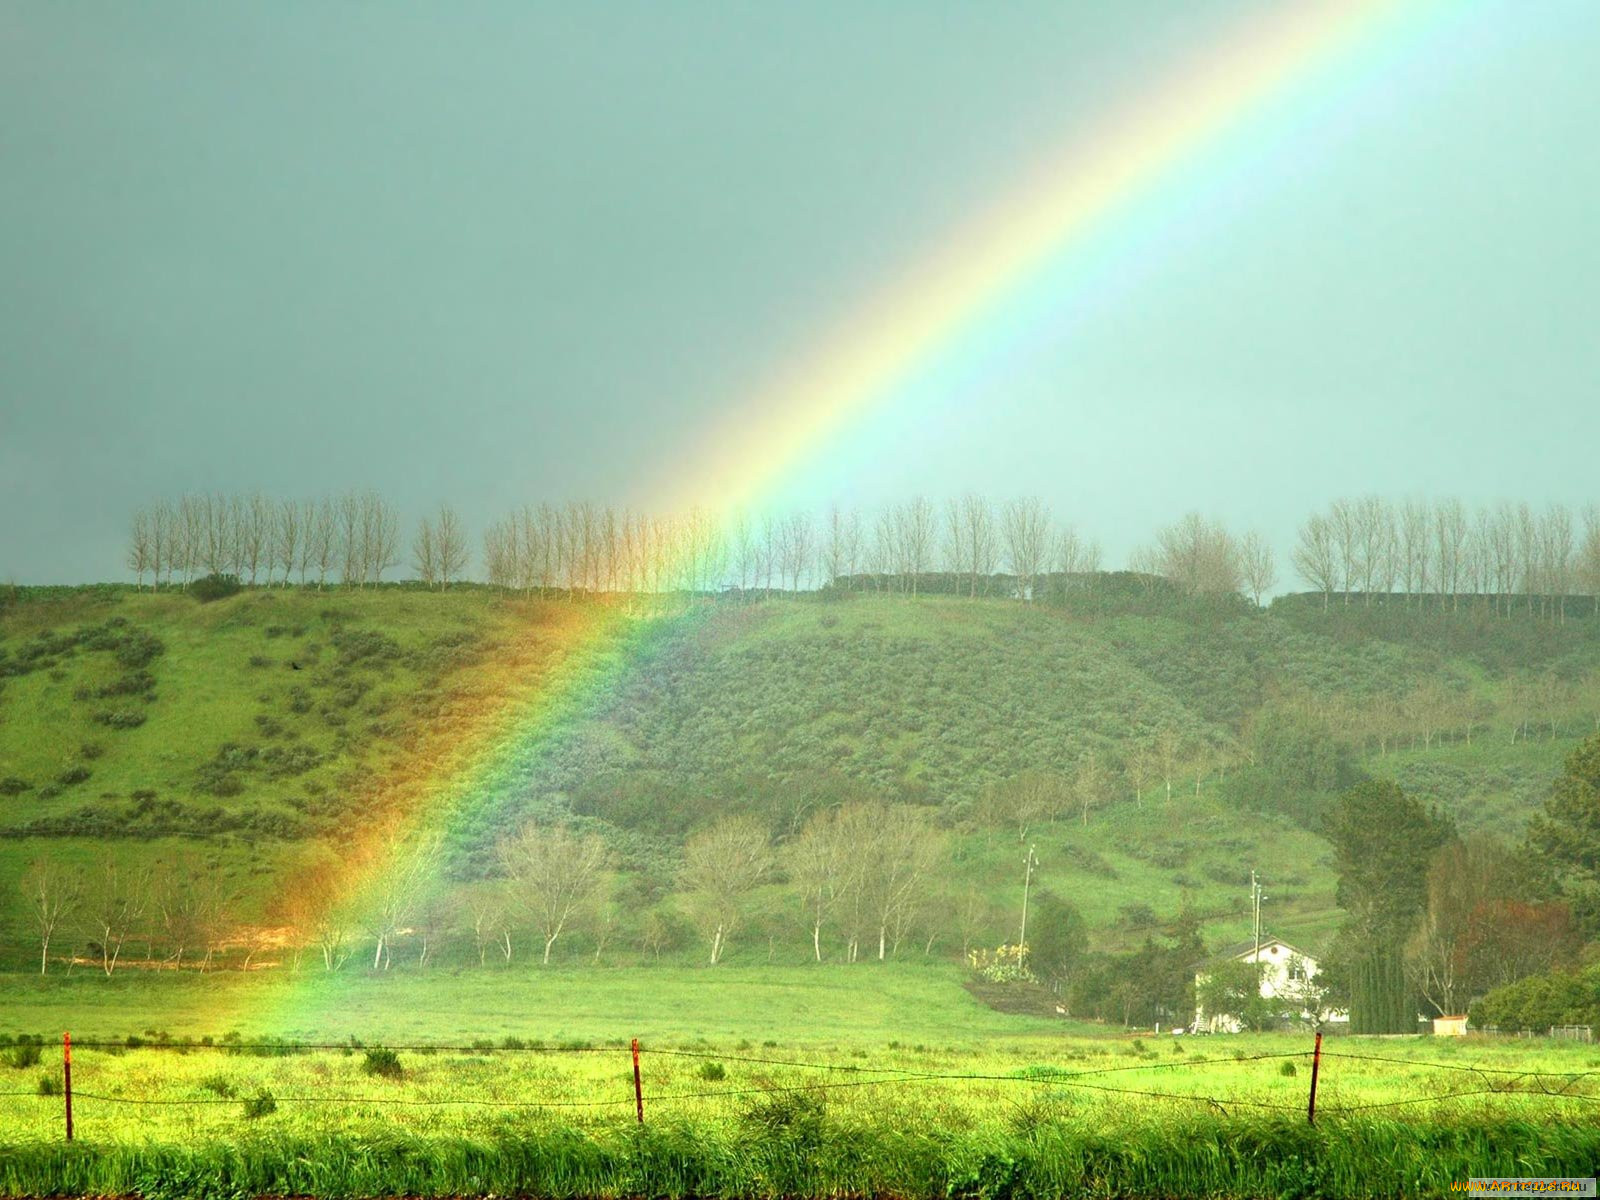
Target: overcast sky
494 253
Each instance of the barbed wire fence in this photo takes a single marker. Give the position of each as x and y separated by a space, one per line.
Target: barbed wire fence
1489 1080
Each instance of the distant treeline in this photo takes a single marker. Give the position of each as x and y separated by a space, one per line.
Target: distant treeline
1357 550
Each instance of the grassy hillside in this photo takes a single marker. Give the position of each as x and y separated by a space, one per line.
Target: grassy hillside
255 730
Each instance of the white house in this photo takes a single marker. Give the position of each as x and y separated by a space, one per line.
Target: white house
1287 973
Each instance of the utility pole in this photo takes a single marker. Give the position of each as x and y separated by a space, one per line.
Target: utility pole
1256 897
1028 864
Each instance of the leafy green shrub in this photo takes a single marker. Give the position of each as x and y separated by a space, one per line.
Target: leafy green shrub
12 786
795 1117
261 1104
49 1085
215 587
219 1085
382 1061
120 718
712 1072
91 751
365 645
1288 1068
223 785
22 1056
74 774
133 683
138 649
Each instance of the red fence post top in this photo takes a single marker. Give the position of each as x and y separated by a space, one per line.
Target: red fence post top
66 1045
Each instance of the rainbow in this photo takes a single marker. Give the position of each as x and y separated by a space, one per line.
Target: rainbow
1283 54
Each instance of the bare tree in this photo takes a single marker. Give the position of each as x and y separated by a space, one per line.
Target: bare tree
883 556
115 905
288 539
832 553
1588 564
1140 768
1450 539
352 551
1374 533
1256 565
897 849
1315 557
407 866
322 540
1346 534
1074 555
970 542
380 535
491 924
1169 749
1555 554
255 536
1024 800
425 553
554 873
721 866
191 535
1199 555
500 558
139 547
819 867
163 528
794 541
1416 554
746 554
1090 784
215 553
1526 533
194 903
177 902
52 893
1026 525
915 533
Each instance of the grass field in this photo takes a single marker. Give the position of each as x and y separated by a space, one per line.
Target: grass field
823 1005
1027 1114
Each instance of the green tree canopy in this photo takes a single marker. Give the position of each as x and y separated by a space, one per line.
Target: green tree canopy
1567 832
1383 841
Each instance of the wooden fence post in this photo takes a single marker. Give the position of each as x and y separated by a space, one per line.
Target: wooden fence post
638 1088
1316 1061
66 1077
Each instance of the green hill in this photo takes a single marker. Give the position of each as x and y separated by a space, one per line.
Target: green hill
252 731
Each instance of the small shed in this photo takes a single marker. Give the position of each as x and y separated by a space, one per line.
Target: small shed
1455 1026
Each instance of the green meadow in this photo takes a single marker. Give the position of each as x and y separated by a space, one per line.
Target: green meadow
1021 1114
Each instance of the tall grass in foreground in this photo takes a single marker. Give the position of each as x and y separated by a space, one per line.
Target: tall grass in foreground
797 1149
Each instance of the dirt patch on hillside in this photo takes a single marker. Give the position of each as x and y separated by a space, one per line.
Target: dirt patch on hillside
1019 999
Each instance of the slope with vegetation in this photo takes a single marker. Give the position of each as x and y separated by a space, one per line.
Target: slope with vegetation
1153 747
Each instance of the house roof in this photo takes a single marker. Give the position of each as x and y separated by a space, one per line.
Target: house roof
1239 949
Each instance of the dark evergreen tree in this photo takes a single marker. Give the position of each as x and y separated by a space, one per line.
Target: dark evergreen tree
1058 941
1567 833
1382 841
